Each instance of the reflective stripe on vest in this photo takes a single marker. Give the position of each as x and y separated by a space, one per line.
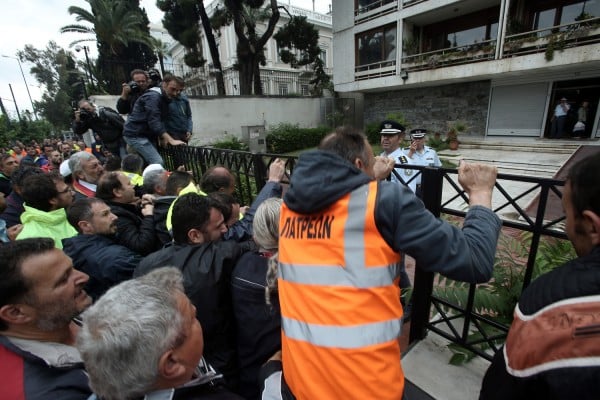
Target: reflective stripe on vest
340 306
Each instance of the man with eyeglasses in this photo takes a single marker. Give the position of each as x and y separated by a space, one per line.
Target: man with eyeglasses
46 197
132 91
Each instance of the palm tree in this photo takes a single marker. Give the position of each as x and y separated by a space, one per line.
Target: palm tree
114 26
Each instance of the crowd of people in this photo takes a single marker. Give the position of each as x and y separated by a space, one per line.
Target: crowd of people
122 280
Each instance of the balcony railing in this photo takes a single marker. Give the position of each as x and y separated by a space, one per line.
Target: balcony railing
477 52
374 9
375 70
557 37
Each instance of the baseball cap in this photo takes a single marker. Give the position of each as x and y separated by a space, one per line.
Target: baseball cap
64 168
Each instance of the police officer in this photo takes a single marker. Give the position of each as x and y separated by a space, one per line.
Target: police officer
419 154
392 134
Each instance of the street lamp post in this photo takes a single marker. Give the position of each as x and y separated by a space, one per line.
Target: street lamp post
16 106
87 60
25 81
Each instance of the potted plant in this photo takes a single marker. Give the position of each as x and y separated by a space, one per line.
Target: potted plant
452 135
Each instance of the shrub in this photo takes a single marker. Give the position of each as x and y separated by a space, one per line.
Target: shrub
285 138
232 143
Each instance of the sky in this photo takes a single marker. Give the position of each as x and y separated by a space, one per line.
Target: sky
36 22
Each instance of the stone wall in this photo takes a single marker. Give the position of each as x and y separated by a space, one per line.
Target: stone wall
433 108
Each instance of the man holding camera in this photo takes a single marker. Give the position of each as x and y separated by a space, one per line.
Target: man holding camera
132 91
105 122
145 125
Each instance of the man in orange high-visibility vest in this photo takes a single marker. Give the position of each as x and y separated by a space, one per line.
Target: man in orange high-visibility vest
342 235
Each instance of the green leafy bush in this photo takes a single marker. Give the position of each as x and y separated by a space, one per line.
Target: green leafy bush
232 143
285 138
498 298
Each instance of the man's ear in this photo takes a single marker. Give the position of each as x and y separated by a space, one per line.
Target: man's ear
85 226
14 314
592 220
168 366
195 236
358 163
53 201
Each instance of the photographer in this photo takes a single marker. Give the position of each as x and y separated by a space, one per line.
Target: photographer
132 91
105 122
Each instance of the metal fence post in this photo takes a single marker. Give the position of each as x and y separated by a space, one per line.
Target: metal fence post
431 186
260 171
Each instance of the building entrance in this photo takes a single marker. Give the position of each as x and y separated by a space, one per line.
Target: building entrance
582 96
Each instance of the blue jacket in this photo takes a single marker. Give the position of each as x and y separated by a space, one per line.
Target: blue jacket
146 118
54 372
106 262
179 120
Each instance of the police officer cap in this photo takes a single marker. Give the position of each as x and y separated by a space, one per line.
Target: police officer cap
418 133
389 127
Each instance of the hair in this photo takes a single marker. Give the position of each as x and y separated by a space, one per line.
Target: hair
585 185
107 184
38 189
216 179
138 320
153 179
4 157
81 210
84 101
22 173
265 230
348 143
223 202
177 181
168 78
132 163
265 227
13 285
112 163
75 161
190 211
138 71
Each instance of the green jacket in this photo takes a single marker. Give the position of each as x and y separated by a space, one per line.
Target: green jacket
52 224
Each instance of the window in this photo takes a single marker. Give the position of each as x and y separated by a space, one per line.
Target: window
283 89
376 46
323 57
304 90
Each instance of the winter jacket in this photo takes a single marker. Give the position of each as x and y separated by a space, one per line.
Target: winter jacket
103 259
52 224
33 370
206 272
146 118
5 184
259 324
14 209
161 209
125 106
559 365
179 120
134 230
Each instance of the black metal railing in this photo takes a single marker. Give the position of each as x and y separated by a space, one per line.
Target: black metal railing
524 199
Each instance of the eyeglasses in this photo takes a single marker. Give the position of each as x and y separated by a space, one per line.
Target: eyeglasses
67 190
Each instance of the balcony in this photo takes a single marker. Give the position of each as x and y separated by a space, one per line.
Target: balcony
375 70
374 9
471 53
548 40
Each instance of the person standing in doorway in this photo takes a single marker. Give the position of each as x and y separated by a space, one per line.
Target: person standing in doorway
559 119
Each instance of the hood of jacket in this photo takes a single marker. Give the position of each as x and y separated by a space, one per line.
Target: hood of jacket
55 217
320 179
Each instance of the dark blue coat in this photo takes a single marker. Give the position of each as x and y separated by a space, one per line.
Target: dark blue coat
106 262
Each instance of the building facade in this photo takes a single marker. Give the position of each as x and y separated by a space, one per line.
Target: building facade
500 66
277 78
